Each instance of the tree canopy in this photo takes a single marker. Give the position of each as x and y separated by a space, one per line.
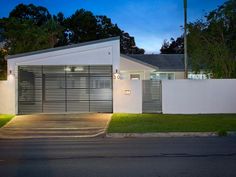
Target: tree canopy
31 27
173 46
212 42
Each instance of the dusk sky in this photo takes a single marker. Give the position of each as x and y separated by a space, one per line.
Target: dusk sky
149 21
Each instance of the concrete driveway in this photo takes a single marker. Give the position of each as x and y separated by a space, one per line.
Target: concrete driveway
56 126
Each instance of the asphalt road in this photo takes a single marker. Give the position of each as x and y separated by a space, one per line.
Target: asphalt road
143 157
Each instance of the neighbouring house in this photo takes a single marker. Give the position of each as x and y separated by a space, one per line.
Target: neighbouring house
88 77
152 67
155 67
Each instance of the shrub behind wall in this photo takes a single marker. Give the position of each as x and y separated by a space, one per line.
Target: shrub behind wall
3 69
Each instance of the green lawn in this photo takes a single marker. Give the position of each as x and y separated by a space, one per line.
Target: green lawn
144 123
4 118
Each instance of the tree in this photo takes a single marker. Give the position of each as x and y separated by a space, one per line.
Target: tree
3 64
84 25
60 18
54 31
105 28
37 14
24 36
173 46
212 42
31 27
128 45
88 27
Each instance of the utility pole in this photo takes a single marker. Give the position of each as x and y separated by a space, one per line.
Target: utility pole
185 42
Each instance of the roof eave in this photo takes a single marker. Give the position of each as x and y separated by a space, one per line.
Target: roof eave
62 47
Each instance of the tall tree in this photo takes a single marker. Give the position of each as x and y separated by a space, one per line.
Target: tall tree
87 27
84 25
37 14
3 64
173 46
212 42
31 27
105 27
25 36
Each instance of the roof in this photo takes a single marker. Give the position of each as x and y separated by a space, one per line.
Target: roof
139 61
62 47
164 62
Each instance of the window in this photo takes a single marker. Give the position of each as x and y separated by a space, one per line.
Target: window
135 76
162 76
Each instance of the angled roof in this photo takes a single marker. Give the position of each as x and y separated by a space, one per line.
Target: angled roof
164 62
62 47
139 61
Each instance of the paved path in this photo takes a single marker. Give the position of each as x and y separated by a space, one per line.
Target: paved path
128 157
56 126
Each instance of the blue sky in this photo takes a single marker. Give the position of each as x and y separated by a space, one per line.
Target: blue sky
149 21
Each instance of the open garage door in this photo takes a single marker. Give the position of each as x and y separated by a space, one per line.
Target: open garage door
52 89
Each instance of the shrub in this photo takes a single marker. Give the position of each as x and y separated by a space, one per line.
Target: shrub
222 133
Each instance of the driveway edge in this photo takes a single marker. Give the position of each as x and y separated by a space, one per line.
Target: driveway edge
165 135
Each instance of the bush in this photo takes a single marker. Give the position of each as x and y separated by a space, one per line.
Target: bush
3 64
222 133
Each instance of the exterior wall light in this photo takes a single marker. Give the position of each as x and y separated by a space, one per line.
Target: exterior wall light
116 75
79 69
127 92
11 72
67 69
73 69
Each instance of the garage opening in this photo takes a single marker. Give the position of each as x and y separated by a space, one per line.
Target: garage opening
53 89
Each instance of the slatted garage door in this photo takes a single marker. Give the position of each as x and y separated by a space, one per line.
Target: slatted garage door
64 89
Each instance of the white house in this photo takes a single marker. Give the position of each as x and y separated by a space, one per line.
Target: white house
76 78
90 77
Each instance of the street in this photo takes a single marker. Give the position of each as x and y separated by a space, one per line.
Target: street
106 157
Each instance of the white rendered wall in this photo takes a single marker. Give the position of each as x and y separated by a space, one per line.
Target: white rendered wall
127 103
105 53
7 96
198 96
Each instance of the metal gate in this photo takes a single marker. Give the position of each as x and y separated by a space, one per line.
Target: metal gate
45 89
152 96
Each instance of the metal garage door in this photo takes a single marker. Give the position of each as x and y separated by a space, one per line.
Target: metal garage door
46 89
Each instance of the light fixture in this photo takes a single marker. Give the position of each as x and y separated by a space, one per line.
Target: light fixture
79 68
67 69
11 72
73 69
127 92
116 75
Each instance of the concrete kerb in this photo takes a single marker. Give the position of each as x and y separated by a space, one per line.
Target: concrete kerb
166 134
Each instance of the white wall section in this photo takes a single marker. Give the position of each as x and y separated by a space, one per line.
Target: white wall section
127 96
7 96
199 96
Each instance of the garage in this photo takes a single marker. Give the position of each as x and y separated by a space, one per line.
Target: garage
65 88
77 78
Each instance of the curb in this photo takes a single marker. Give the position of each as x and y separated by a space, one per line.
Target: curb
166 135
100 134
